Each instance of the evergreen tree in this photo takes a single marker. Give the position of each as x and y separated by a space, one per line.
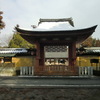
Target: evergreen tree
18 42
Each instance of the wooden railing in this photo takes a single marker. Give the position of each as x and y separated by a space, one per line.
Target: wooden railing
56 68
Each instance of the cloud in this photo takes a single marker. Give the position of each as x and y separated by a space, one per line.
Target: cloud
85 13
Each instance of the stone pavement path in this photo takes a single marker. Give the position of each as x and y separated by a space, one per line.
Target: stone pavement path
49 94
49 82
49 88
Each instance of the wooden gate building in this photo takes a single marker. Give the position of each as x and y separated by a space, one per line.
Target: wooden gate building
56 49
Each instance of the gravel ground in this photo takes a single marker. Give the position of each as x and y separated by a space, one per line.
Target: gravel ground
49 94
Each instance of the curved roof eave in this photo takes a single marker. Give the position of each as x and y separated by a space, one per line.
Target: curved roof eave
58 31
81 34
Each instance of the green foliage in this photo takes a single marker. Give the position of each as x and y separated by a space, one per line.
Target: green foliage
91 42
18 42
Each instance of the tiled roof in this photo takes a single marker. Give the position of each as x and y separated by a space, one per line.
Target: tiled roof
92 49
13 50
7 54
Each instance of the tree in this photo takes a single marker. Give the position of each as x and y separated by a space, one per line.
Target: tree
91 42
87 42
18 42
2 24
97 43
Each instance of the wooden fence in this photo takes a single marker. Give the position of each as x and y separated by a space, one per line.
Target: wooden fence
26 71
85 71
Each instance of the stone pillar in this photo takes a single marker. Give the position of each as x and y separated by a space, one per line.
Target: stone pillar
80 71
27 70
21 71
32 70
91 70
23 68
83 70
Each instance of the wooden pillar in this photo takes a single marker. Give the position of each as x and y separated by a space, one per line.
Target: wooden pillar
41 55
72 55
39 61
42 58
36 65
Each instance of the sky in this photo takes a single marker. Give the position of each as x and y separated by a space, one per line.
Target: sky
85 13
